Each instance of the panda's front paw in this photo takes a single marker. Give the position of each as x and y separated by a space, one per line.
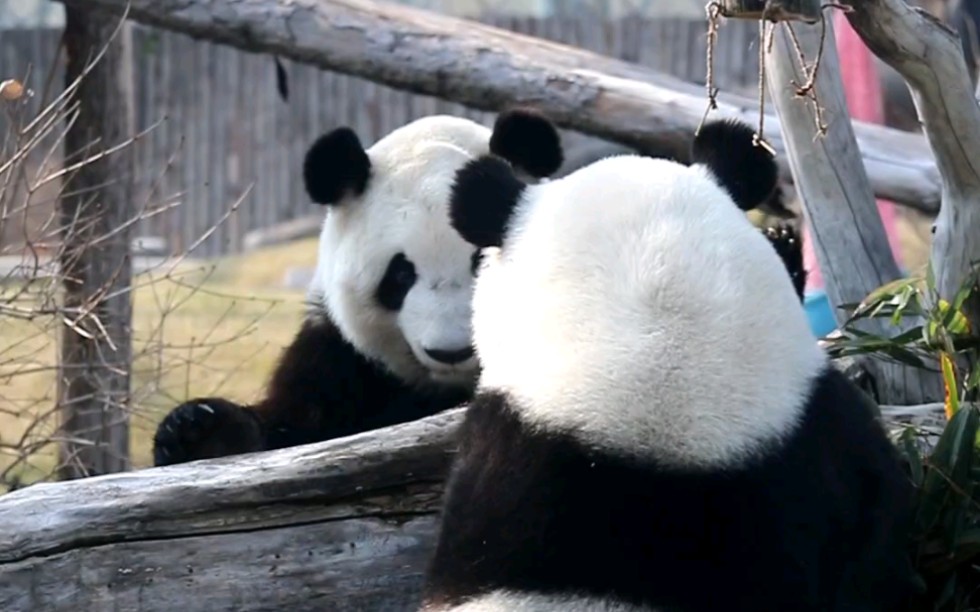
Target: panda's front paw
786 240
205 428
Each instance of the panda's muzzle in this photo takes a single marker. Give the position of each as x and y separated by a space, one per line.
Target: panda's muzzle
450 357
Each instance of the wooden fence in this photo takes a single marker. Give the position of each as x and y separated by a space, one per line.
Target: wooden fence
225 126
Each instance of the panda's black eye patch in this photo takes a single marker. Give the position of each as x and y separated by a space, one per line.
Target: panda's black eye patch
475 260
394 285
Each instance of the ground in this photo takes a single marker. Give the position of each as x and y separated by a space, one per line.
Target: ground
223 325
211 328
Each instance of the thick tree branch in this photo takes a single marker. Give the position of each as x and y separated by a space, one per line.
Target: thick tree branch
928 55
487 68
849 238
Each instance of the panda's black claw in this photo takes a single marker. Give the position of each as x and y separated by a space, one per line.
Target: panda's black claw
205 428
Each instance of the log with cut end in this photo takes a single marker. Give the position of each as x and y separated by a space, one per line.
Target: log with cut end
343 525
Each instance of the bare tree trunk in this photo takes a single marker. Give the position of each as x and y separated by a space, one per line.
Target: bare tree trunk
486 68
96 349
849 239
929 56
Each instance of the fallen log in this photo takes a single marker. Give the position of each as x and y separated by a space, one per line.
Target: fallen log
347 524
341 525
488 68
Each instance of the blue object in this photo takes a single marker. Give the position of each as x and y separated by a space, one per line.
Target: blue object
818 311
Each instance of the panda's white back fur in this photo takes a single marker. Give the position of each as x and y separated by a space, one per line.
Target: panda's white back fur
594 331
404 207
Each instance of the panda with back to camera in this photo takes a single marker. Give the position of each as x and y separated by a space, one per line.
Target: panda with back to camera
655 427
387 335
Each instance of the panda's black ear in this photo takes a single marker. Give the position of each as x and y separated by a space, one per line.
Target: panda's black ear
484 195
336 164
747 171
528 140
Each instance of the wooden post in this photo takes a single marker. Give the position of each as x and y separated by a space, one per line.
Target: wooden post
93 389
807 11
849 238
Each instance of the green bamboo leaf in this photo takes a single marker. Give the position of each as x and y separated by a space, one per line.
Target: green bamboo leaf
967 288
890 290
969 537
973 380
903 303
913 334
911 452
953 320
950 462
903 356
952 403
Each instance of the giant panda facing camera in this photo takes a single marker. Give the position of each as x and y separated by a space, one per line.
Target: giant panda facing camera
387 337
655 426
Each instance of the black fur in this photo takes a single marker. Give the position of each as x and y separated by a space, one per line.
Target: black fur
336 164
282 81
484 196
205 428
789 247
748 172
818 525
399 277
527 140
322 389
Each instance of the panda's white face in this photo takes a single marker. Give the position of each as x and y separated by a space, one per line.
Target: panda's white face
393 273
633 305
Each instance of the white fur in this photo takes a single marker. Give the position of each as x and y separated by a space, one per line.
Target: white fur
510 601
405 208
634 306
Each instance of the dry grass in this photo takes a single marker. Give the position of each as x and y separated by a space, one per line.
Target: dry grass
209 328
213 328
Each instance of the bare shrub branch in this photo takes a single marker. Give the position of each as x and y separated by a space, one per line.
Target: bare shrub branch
170 358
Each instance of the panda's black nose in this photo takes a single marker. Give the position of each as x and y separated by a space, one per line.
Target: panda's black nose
450 357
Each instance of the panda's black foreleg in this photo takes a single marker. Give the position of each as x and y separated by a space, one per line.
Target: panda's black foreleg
786 240
205 428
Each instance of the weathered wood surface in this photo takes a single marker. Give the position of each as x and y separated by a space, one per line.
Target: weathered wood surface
848 236
929 56
488 68
96 210
342 525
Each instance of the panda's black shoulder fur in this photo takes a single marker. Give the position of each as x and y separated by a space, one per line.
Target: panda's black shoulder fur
528 510
322 388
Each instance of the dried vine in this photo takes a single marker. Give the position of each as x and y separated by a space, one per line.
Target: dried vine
807 90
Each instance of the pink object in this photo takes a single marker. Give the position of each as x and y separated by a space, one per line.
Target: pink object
862 90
